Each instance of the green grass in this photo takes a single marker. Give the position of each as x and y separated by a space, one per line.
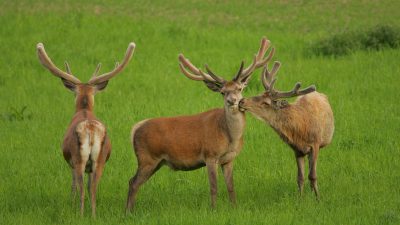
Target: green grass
358 173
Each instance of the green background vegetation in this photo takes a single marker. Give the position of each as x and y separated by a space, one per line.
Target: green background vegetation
358 173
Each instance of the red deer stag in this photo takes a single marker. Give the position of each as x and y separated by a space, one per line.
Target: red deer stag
86 146
208 139
306 125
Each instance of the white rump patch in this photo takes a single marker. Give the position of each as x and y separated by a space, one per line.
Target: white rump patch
91 134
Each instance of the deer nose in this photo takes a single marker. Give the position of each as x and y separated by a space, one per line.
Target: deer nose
231 101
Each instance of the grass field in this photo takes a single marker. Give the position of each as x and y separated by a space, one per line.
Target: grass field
358 173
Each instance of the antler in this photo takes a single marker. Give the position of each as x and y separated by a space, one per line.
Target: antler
195 73
46 62
118 68
268 80
259 59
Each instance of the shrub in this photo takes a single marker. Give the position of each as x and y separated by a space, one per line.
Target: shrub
376 38
381 37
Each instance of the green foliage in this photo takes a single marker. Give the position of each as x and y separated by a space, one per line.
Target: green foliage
381 37
357 174
376 38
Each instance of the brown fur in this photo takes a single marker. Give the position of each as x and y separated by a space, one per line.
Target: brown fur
72 145
306 125
209 139
86 146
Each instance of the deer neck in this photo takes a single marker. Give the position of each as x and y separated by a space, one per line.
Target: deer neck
84 102
281 121
235 123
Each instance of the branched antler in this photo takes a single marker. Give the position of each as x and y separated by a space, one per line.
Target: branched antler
194 73
118 67
258 60
46 62
268 80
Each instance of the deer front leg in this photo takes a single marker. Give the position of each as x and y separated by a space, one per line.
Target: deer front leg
227 169
300 172
212 177
228 157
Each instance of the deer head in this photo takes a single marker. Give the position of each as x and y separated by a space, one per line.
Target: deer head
84 92
271 99
231 90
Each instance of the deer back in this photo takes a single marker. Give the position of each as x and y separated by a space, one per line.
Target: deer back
183 140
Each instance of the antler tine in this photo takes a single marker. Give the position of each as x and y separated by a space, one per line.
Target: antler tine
117 69
97 70
67 68
274 70
239 72
264 81
215 77
268 79
195 73
258 60
266 60
295 91
188 74
263 48
46 62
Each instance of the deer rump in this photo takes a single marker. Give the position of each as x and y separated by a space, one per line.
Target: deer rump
90 136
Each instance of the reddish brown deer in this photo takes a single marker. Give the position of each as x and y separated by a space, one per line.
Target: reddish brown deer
306 125
86 147
208 139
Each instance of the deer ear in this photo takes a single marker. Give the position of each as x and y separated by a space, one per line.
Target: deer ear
213 86
280 104
101 86
68 84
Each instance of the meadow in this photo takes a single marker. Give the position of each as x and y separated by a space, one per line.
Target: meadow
358 173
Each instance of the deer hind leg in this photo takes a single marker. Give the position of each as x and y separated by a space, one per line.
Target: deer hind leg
79 173
300 172
96 175
212 177
90 179
73 188
98 160
227 169
312 176
144 172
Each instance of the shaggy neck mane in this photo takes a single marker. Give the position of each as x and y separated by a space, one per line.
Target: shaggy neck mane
289 122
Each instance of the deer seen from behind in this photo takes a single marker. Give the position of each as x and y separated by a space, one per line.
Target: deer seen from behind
213 138
307 125
86 146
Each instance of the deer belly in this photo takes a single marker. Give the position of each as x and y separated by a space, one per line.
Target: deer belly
183 163
185 166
